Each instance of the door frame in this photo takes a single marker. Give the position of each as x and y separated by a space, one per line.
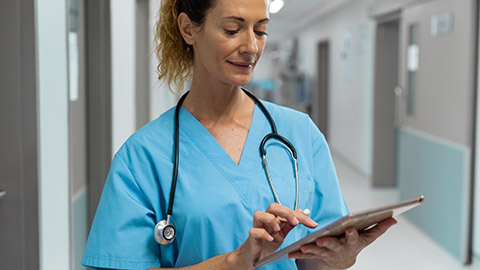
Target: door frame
474 234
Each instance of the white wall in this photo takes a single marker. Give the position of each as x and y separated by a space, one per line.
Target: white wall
53 129
351 78
123 71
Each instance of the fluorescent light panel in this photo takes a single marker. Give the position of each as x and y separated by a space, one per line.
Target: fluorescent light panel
276 6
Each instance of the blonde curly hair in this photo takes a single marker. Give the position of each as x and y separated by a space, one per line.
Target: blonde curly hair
175 57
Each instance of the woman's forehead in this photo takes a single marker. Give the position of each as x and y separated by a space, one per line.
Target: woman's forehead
240 8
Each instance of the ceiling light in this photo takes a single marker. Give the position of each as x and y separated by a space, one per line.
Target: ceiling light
276 6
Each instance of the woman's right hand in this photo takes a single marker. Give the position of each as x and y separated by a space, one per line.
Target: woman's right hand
269 230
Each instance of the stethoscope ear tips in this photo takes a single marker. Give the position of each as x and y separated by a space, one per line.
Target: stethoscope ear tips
164 232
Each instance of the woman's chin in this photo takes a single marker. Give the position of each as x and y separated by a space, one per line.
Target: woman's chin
241 81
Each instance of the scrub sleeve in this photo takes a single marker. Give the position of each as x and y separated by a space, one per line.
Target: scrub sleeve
122 232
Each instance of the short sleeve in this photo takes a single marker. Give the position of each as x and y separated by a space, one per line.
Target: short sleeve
328 196
121 236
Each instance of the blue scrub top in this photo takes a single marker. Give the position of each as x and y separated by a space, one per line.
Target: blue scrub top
215 198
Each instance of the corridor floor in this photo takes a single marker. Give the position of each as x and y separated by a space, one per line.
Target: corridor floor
404 246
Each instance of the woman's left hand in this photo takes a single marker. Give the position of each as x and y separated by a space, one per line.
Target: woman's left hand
341 252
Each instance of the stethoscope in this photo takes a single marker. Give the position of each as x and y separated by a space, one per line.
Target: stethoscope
165 230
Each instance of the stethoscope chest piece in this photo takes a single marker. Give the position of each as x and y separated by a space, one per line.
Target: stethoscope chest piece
164 232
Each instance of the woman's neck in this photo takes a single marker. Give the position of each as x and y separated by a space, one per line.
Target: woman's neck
217 101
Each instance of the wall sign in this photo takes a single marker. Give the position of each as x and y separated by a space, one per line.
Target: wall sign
442 24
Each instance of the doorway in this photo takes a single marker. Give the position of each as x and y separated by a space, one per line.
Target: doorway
384 114
323 52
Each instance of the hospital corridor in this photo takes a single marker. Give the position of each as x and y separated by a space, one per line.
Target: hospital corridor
297 110
405 246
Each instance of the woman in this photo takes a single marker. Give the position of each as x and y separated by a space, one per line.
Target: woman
226 214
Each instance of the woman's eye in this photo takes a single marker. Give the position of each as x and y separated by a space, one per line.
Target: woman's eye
261 33
231 32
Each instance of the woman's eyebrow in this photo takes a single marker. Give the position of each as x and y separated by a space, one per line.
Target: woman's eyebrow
234 18
263 21
243 20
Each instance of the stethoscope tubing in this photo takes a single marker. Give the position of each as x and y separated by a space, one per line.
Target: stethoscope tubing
175 162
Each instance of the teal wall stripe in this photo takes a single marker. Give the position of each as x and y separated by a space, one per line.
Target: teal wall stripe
439 170
476 261
80 228
476 254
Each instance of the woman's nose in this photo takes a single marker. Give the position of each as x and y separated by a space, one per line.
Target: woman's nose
250 45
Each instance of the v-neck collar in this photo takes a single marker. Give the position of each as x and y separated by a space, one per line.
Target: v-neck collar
207 142
220 159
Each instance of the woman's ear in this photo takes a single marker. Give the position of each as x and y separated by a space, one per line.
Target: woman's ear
186 28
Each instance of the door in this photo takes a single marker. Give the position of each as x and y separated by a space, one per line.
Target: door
99 99
386 80
19 219
323 87
435 138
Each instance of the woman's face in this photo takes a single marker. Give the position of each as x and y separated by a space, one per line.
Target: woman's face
231 40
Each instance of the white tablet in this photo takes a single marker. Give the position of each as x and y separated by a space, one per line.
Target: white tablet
360 220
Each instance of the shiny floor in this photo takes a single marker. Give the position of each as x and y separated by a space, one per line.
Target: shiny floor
404 246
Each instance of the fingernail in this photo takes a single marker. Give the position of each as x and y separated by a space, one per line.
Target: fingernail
277 227
270 238
295 221
305 250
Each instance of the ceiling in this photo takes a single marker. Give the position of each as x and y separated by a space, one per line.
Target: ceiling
297 13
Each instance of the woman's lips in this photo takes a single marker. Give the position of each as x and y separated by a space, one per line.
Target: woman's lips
242 64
